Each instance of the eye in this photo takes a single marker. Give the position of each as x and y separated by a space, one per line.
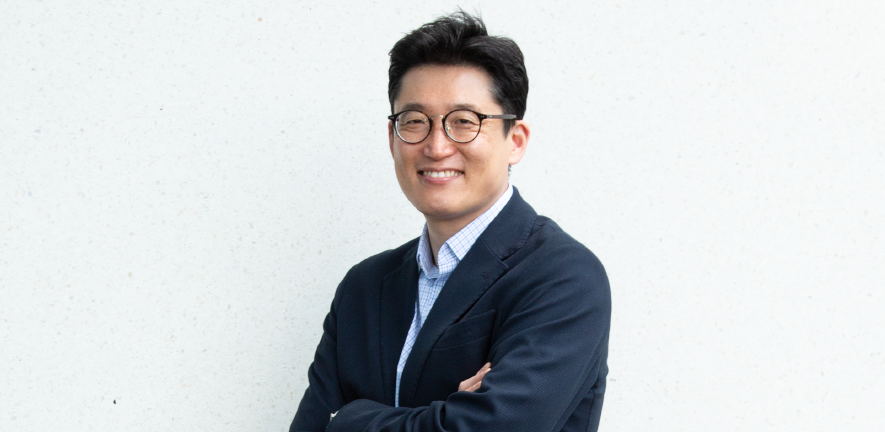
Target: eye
412 118
463 119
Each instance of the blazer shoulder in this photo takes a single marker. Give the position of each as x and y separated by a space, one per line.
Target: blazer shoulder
380 264
562 252
554 236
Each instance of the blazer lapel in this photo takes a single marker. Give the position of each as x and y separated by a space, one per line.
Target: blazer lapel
481 267
398 294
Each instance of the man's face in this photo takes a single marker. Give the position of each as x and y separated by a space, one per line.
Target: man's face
445 180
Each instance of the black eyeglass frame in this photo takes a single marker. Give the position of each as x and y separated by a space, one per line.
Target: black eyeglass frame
481 117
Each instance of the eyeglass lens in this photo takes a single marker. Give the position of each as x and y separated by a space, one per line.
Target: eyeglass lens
461 126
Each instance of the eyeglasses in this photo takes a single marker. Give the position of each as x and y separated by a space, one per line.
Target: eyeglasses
461 126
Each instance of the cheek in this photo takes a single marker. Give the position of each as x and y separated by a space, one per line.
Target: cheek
487 164
401 163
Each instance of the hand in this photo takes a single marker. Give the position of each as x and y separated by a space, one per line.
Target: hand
473 383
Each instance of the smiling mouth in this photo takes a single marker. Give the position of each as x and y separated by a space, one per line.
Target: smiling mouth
441 174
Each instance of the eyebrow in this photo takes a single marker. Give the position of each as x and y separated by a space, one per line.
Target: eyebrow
420 107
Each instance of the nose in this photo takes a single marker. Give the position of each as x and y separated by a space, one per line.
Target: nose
438 145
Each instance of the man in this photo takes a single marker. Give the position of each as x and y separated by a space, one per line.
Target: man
493 319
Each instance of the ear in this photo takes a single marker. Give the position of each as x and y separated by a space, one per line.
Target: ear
390 135
518 141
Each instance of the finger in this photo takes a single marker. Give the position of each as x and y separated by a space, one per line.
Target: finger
473 388
469 382
476 378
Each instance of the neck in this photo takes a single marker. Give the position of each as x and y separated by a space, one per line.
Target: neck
440 230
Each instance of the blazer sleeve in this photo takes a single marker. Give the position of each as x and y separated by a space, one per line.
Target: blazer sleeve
548 354
323 395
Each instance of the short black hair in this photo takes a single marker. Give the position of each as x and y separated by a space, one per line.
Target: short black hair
462 39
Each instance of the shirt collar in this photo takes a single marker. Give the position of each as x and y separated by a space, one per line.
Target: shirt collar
460 243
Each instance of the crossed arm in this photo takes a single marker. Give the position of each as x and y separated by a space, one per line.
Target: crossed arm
548 356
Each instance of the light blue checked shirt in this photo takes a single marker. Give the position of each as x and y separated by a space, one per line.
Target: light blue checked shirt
432 278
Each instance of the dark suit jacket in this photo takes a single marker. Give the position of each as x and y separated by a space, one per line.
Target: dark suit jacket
527 297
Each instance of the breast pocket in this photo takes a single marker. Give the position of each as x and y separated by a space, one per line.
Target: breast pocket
468 331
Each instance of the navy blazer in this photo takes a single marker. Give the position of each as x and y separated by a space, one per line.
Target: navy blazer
527 297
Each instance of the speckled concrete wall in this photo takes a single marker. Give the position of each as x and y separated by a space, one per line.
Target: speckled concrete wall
183 184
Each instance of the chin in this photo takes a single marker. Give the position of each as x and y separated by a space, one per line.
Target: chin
437 209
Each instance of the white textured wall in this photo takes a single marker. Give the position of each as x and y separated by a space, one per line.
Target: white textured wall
183 184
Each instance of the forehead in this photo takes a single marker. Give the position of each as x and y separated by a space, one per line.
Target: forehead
439 89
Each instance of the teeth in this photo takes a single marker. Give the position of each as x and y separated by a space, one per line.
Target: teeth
438 174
